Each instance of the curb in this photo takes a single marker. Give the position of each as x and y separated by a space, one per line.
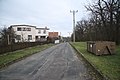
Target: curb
86 60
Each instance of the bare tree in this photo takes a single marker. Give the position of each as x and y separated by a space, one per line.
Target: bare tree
104 23
7 36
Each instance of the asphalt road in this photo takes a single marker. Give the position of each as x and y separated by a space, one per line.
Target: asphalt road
59 62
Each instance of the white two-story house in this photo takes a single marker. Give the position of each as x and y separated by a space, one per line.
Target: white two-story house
29 33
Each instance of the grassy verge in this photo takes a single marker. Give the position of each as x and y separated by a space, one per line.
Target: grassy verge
10 57
109 65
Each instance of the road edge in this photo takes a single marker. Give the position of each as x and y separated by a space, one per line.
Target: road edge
97 71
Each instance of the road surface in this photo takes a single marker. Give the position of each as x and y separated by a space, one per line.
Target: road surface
59 62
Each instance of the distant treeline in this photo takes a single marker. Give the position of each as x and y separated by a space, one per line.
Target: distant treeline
104 23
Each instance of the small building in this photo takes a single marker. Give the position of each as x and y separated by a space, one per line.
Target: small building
53 34
29 33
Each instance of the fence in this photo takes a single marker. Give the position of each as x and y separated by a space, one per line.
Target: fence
18 46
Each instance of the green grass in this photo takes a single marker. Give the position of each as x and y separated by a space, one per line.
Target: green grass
12 56
109 65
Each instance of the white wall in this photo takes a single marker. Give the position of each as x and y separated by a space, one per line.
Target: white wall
42 33
34 32
24 34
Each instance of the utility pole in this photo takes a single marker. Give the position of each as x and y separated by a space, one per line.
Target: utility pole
73 23
8 38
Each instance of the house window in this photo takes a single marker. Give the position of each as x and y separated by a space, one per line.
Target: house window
18 37
29 37
28 29
39 31
18 29
44 31
42 36
24 29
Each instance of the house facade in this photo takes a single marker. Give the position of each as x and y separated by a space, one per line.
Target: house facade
29 33
53 34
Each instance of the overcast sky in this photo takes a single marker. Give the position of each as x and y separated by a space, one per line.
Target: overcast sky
55 14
